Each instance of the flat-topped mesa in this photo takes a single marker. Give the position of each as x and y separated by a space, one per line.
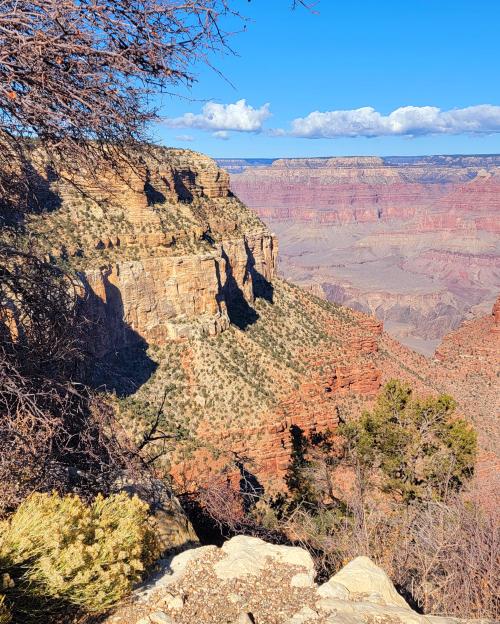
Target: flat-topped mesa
326 163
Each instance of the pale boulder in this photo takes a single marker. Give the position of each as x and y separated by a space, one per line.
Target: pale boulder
246 555
362 577
332 589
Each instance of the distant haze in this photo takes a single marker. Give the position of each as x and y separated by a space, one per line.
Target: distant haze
413 240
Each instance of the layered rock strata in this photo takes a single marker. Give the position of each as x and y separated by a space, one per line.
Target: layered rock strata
169 259
162 298
413 241
163 248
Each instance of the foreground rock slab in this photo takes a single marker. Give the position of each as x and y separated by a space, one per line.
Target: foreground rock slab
249 581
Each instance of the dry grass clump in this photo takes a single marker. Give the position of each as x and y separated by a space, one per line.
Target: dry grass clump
5 616
57 551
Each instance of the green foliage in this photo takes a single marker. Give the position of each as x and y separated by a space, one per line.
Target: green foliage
60 551
299 478
420 448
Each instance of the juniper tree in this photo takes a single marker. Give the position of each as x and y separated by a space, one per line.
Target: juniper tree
421 448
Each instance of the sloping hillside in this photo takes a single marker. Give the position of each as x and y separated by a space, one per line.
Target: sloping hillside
190 320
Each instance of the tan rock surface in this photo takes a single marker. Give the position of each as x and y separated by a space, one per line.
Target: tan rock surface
267 594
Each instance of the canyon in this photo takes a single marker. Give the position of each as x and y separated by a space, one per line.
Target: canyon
179 280
410 240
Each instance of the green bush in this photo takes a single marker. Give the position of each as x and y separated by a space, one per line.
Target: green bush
422 449
60 550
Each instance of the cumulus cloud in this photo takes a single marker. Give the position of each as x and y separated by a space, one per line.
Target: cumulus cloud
240 117
404 121
185 137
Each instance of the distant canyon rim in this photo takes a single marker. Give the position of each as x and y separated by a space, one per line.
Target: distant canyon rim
413 241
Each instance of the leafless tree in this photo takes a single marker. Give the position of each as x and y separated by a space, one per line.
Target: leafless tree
54 432
76 77
76 84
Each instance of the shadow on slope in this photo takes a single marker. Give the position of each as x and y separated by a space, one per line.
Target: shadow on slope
119 354
240 312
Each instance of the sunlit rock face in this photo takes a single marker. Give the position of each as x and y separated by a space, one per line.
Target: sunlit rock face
249 580
413 241
163 248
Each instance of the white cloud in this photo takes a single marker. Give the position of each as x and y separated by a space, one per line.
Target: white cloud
185 137
221 134
404 121
240 117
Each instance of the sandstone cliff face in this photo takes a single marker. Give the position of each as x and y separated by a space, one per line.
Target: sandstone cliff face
170 260
164 250
161 298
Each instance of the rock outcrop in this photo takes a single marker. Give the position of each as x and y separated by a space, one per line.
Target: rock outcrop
496 316
251 581
163 248
171 262
477 341
162 298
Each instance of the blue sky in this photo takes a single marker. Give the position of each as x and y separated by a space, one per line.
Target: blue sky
437 61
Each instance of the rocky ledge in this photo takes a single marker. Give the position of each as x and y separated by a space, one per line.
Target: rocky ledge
251 581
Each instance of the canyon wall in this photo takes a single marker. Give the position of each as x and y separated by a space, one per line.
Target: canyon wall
413 241
163 250
468 364
160 298
169 260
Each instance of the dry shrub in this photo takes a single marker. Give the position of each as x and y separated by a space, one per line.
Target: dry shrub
442 554
444 557
5 616
448 558
57 551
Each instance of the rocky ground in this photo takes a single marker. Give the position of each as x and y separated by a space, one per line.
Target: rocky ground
249 581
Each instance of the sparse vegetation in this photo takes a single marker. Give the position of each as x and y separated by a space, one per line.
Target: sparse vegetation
233 379
58 553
